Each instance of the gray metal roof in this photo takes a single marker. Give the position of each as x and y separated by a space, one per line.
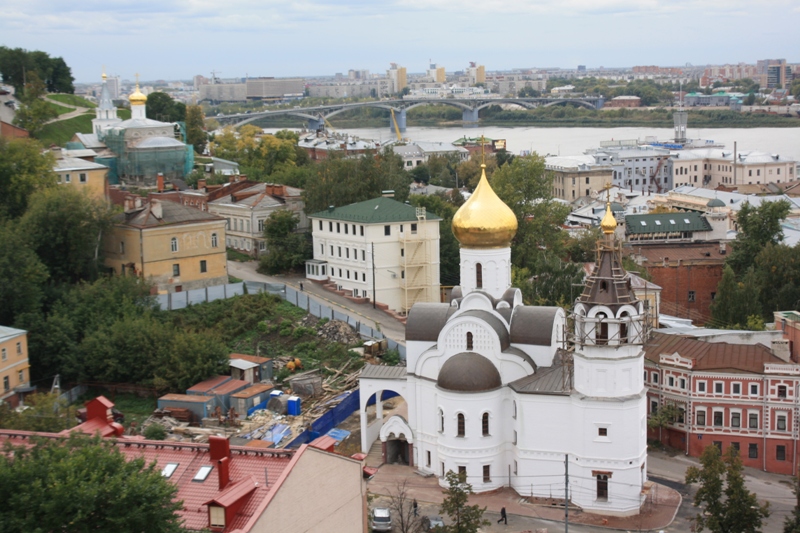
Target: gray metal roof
160 142
533 325
73 163
493 322
383 372
469 372
426 320
7 333
556 379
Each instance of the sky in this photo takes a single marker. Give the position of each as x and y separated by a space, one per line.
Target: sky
177 39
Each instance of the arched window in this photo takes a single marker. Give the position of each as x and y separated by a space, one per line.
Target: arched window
623 328
213 240
515 410
601 333
469 340
485 424
478 276
461 425
174 244
441 421
602 487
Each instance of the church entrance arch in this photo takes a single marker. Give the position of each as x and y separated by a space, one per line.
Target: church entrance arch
384 415
397 442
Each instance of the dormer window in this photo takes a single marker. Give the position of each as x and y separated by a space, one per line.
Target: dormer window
216 516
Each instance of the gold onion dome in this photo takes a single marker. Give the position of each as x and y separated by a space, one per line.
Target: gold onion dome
137 98
484 221
609 223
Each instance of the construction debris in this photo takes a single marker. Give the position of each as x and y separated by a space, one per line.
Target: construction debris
340 332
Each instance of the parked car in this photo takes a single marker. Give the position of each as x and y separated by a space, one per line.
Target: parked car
432 523
381 519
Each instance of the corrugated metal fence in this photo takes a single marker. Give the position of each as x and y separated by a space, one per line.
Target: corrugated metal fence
180 300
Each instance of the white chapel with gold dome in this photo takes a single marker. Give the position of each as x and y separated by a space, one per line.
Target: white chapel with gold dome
138 149
508 392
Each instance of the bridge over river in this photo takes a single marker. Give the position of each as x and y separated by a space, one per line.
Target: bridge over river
316 116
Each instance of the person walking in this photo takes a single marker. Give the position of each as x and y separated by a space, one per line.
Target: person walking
503 517
414 506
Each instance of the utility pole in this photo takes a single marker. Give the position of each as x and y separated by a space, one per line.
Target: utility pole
566 493
734 162
374 295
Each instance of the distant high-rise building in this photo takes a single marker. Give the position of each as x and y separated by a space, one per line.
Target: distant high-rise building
358 74
476 73
435 73
397 78
112 83
581 68
199 80
777 74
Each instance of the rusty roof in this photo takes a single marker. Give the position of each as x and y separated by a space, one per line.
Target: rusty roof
252 391
229 387
252 358
711 355
680 251
210 383
193 398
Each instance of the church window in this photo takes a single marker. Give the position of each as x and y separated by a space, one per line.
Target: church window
602 432
515 410
428 459
478 276
469 340
515 467
485 424
601 335
461 425
174 244
602 487
442 469
213 240
441 421
487 473
462 470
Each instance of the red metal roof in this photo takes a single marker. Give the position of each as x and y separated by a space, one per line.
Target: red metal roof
234 492
196 398
252 391
207 385
323 443
229 387
711 355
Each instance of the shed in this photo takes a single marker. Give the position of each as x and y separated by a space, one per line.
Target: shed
243 400
204 387
201 406
250 367
224 392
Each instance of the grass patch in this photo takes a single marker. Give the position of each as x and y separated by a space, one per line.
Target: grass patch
234 279
61 132
71 99
135 408
60 109
234 255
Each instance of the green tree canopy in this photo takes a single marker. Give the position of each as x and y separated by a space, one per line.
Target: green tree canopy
161 106
259 155
464 518
726 506
83 484
16 64
286 249
736 301
758 226
24 169
22 275
195 128
35 111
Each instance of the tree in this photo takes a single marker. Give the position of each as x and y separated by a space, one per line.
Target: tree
777 270
663 417
736 301
286 249
726 504
64 228
259 155
791 523
195 128
161 106
84 484
758 226
464 518
24 169
16 64
529 92
549 280
43 412
35 111
405 520
22 275
750 99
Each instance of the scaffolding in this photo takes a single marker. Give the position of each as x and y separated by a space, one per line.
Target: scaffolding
141 164
416 265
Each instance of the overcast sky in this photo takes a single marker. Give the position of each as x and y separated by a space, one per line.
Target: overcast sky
176 39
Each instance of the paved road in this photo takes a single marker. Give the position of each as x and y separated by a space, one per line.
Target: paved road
774 488
364 312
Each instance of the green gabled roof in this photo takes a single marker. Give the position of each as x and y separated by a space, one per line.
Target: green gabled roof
666 223
375 211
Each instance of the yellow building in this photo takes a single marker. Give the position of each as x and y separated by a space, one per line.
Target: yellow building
577 176
174 247
83 175
14 367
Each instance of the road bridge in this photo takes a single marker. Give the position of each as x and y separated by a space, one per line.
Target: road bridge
470 107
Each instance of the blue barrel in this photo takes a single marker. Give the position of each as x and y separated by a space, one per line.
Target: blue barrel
293 407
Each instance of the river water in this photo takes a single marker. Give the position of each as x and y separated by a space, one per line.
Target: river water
573 141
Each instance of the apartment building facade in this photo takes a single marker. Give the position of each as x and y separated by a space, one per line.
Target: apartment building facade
15 375
712 167
578 176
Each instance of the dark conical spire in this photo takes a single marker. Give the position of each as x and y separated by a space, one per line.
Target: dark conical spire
609 283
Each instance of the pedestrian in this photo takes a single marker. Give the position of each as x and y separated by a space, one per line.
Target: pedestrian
301 286
414 506
503 517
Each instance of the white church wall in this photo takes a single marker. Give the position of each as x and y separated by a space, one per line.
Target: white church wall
414 349
495 270
608 378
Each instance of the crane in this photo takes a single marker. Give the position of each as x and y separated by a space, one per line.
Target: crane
400 138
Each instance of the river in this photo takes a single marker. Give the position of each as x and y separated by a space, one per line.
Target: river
573 141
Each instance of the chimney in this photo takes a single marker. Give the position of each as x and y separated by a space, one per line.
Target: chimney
224 472
220 451
201 184
160 183
128 203
780 349
156 209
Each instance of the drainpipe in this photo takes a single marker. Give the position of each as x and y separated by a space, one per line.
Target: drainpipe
690 412
765 422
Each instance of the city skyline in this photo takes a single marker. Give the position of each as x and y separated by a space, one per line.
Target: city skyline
177 40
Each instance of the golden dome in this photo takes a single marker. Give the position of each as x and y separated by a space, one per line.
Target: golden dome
609 223
137 98
484 221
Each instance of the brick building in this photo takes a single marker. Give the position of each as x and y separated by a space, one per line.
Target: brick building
741 395
688 274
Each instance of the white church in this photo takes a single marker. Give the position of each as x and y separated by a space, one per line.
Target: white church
507 392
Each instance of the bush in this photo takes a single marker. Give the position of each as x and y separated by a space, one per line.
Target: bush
391 358
155 432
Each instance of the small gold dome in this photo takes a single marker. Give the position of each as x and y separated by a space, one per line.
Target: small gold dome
609 223
484 221
137 97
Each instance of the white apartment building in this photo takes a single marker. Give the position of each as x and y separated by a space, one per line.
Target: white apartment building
378 249
247 210
711 167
